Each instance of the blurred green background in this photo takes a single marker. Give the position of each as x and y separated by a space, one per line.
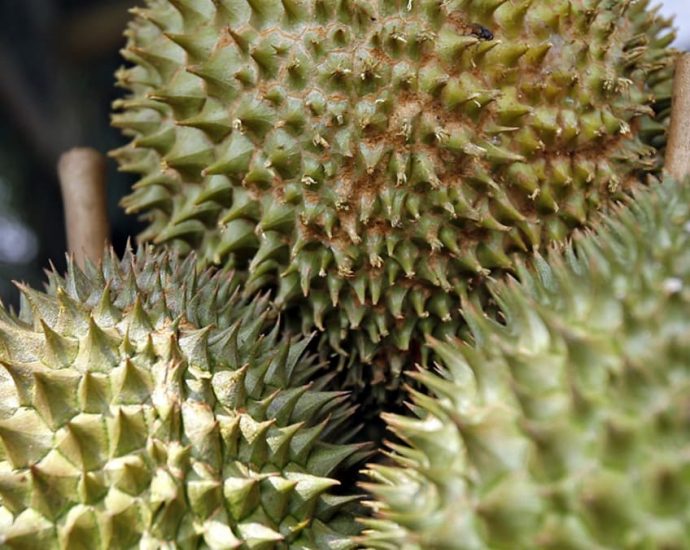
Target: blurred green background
57 60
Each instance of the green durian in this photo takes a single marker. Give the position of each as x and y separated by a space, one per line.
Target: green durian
371 160
144 404
566 424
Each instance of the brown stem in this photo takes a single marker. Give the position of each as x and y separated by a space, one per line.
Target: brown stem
82 179
678 148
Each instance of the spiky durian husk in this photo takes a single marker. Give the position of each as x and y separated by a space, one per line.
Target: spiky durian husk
567 426
373 159
144 404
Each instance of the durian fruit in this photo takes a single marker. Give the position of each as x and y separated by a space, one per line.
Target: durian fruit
145 405
373 159
567 424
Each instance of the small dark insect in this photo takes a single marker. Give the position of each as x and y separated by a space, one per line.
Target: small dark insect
481 32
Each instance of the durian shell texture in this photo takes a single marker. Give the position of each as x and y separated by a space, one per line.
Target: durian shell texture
566 425
372 161
145 405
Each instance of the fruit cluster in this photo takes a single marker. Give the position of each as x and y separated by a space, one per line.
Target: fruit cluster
333 190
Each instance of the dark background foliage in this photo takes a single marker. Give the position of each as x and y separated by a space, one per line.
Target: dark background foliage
57 60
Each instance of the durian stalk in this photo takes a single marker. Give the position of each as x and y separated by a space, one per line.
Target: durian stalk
678 150
82 180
